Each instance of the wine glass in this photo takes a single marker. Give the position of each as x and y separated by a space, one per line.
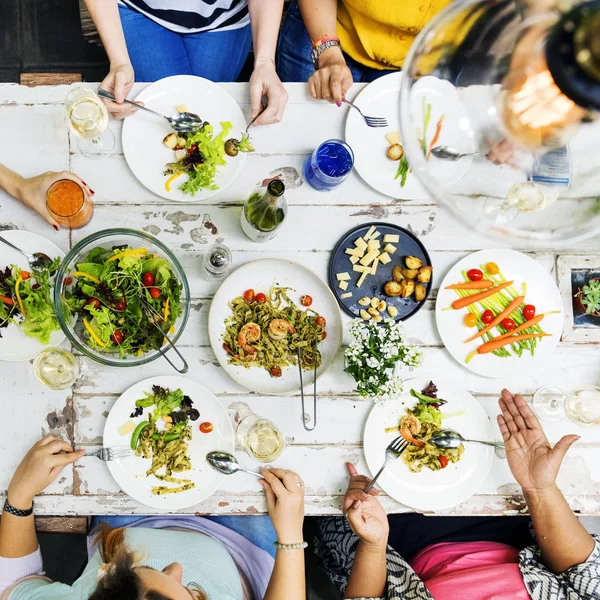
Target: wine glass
581 405
56 368
88 119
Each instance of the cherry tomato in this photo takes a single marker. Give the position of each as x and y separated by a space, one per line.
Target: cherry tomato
25 275
475 275
192 148
35 286
206 427
306 300
276 372
249 295
260 298
227 348
443 461
508 324
93 302
529 312
68 280
492 268
470 320
324 335
148 279
487 316
321 321
117 337
154 292
120 305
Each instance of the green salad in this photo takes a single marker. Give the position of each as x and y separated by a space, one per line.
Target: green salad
107 291
26 301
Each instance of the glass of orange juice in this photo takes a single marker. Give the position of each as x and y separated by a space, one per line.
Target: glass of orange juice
69 204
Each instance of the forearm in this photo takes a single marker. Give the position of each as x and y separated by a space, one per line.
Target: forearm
105 14
17 534
369 573
10 182
319 16
287 580
265 19
563 540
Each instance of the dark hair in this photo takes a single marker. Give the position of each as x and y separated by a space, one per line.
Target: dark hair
121 580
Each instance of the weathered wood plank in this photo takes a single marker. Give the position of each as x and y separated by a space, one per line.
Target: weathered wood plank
62 525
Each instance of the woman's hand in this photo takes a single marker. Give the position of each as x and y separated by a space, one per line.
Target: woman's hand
364 512
32 192
333 78
119 82
40 467
265 82
285 499
533 462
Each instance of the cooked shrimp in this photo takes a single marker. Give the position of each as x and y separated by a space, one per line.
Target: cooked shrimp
409 427
249 333
279 328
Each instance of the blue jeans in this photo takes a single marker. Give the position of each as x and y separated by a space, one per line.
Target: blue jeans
293 53
156 52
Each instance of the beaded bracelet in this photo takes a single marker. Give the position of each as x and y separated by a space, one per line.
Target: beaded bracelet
299 546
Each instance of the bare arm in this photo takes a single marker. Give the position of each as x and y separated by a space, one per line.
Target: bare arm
369 572
287 580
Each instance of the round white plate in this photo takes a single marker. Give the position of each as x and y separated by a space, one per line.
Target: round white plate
261 275
431 490
541 292
130 473
382 99
143 133
15 346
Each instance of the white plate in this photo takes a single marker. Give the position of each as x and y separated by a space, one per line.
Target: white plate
261 275
143 133
130 473
431 490
15 346
382 99
541 292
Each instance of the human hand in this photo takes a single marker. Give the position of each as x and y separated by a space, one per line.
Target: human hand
31 192
333 78
502 152
285 499
119 82
363 511
40 467
265 82
532 461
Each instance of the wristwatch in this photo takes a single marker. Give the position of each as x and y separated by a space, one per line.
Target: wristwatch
318 49
17 512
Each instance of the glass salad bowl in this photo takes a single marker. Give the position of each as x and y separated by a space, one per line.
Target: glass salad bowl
104 300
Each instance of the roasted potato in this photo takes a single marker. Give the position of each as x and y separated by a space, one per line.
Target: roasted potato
364 314
374 302
424 275
392 289
365 301
373 312
392 311
382 306
170 141
420 292
395 152
377 319
412 262
397 274
407 288
181 143
410 273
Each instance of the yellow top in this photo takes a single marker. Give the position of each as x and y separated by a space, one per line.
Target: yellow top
378 33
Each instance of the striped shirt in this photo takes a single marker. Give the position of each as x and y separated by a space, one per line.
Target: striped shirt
193 16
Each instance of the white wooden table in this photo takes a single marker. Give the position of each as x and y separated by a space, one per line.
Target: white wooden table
34 137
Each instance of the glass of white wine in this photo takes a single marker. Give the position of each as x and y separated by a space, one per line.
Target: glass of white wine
56 368
88 119
581 405
260 438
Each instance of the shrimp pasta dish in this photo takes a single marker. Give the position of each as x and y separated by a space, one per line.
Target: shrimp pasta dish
271 332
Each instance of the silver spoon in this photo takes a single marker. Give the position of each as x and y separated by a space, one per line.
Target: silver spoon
449 153
183 122
226 463
37 260
448 438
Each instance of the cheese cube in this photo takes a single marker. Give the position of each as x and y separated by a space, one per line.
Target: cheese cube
374 267
369 233
346 295
360 269
369 257
374 244
375 235
389 248
354 252
362 278
343 285
354 259
384 258
343 276
360 243
394 239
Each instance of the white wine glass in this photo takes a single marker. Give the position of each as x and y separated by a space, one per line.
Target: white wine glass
260 438
581 405
56 368
88 119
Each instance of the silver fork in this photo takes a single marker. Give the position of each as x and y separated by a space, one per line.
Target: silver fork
370 121
109 454
392 452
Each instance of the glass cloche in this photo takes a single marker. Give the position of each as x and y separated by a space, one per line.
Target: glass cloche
515 83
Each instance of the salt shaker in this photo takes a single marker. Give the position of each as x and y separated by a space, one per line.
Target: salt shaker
216 262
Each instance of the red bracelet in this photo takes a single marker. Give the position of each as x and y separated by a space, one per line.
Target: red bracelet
323 39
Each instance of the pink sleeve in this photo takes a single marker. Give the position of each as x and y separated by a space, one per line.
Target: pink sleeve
14 569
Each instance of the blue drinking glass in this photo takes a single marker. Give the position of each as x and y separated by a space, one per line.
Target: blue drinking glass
329 165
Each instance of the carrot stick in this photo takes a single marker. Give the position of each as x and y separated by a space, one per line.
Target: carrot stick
497 343
436 137
505 313
462 302
531 323
484 284
7 300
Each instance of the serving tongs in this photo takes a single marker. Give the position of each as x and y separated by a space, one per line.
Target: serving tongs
302 393
151 314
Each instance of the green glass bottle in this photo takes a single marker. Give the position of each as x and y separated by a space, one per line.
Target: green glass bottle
263 213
